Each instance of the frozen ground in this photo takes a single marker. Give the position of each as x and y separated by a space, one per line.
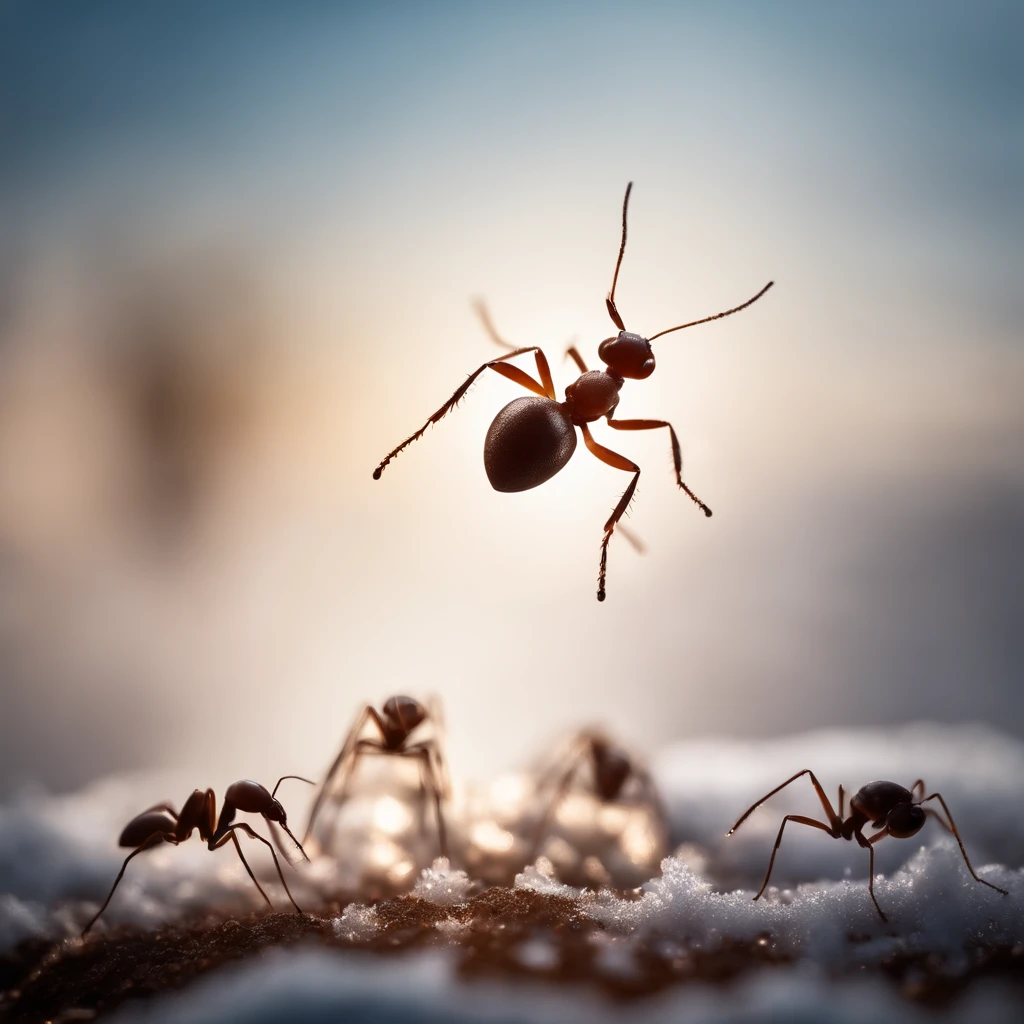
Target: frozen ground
58 858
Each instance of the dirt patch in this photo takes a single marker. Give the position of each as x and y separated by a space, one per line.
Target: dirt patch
500 933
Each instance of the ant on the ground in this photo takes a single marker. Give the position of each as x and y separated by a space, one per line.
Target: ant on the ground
162 824
612 772
887 806
394 724
531 439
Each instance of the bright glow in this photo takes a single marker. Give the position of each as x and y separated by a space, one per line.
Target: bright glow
391 816
491 838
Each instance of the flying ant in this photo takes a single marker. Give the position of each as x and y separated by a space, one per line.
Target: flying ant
398 718
531 439
896 811
613 776
162 824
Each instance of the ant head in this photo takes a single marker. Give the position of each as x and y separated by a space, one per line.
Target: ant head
249 796
611 768
275 812
628 355
905 820
403 713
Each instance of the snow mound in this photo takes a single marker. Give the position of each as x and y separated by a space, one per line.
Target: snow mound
441 885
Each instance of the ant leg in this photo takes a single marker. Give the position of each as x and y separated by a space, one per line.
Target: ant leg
870 844
545 390
423 753
610 458
833 818
563 780
284 850
147 845
650 791
842 802
421 800
932 813
573 354
362 748
441 765
341 765
270 846
800 820
278 842
677 454
230 836
952 828
539 358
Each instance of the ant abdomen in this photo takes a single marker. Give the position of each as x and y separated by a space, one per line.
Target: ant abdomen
530 440
142 826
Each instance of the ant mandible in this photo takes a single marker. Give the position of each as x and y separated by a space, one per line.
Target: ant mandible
162 824
531 439
394 723
886 805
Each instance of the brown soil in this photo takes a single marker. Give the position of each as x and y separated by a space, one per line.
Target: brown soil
490 936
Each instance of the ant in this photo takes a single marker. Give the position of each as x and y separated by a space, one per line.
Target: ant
162 824
394 724
886 805
531 439
612 769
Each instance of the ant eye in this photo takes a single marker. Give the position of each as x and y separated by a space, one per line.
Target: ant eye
905 820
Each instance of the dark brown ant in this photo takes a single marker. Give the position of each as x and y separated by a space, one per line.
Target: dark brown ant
162 824
886 805
394 723
531 439
612 770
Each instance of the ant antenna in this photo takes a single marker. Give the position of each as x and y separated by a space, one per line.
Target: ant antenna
717 316
610 301
283 777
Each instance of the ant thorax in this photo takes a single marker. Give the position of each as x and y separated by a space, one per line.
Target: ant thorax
594 394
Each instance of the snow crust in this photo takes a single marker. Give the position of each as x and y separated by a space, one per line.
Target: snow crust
58 859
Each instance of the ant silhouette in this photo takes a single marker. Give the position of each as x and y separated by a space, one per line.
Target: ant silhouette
531 439
394 723
886 805
162 824
612 771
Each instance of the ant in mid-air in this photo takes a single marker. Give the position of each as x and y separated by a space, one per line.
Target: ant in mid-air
161 824
394 724
887 806
531 439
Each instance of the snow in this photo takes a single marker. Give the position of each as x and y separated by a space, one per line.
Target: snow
441 885
58 859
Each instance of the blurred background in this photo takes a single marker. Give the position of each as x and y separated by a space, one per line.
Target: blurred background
238 246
